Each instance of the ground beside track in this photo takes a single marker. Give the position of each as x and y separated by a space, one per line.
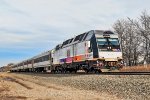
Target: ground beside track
74 86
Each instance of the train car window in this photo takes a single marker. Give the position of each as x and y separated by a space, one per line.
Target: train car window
86 34
41 59
29 62
82 36
77 38
36 60
21 64
89 36
25 63
71 40
46 58
66 42
57 47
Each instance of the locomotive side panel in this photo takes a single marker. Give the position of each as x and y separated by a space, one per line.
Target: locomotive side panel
79 52
56 57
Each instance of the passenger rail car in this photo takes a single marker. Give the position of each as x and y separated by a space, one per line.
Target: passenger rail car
96 50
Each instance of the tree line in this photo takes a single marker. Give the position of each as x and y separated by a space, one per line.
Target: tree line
134 35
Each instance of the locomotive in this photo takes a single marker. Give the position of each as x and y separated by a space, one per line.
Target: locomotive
92 51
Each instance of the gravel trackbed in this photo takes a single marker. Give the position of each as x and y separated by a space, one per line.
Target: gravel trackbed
74 87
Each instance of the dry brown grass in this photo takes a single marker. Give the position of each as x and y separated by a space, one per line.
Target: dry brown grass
141 68
7 97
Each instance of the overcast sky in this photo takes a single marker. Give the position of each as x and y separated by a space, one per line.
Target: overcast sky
28 27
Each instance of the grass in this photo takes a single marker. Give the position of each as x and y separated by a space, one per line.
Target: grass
141 68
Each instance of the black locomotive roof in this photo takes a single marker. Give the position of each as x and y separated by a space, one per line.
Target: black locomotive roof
108 32
103 32
82 37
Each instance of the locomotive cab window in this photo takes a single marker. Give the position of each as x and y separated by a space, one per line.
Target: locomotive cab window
113 41
102 41
108 44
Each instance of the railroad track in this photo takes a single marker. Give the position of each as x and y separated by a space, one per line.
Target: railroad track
125 73
83 73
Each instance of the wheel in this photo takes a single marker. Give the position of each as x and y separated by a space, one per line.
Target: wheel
87 71
99 71
75 71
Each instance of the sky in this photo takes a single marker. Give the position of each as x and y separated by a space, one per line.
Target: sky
29 27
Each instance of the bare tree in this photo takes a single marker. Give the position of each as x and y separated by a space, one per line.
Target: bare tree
143 27
134 39
145 33
129 40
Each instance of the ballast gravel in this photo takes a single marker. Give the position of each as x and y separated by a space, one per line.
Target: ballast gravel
125 87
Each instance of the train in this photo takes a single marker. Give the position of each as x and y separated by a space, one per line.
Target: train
92 51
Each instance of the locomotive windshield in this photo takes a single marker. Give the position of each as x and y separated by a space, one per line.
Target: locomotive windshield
102 41
113 41
108 44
